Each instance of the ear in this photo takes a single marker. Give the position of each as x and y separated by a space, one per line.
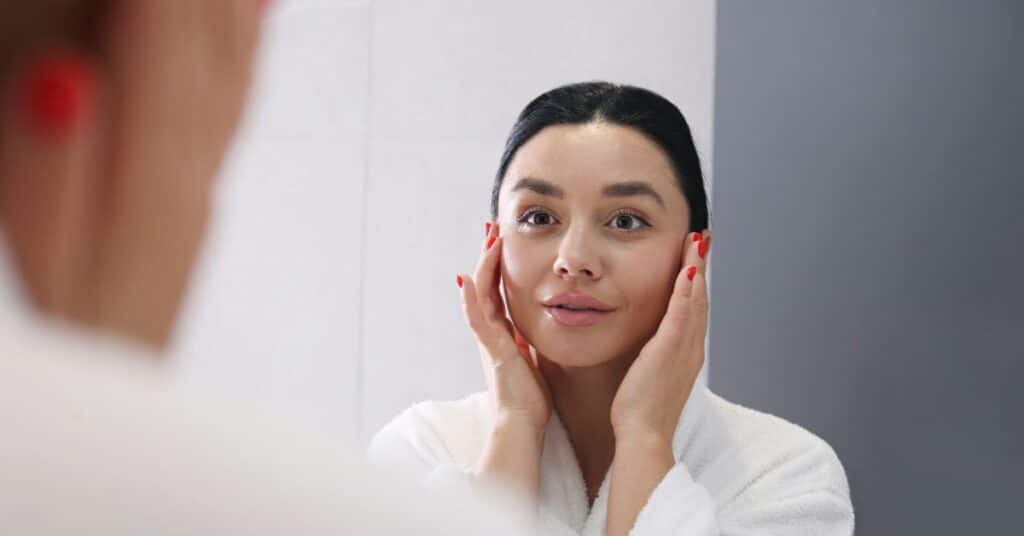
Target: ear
49 185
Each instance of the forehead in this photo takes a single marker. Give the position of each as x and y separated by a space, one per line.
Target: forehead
585 158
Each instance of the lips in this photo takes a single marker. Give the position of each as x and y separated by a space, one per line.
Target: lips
576 309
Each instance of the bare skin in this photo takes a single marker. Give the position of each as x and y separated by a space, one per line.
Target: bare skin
104 214
619 385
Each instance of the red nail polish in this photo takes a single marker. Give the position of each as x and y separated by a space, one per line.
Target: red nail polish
458 281
696 237
490 241
487 230
58 92
702 249
691 272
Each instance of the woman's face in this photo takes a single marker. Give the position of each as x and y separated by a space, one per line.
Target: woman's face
593 222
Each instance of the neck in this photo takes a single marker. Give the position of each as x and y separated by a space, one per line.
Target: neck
583 398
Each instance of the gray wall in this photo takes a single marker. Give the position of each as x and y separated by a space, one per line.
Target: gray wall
868 274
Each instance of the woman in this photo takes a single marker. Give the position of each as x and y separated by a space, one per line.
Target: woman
589 304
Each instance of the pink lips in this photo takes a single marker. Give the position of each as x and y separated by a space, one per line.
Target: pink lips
575 309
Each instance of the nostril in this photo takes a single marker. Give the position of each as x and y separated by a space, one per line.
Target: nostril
568 269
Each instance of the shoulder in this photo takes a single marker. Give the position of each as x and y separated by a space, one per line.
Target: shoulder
773 453
435 432
149 452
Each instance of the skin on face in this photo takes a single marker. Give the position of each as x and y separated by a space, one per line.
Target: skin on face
593 209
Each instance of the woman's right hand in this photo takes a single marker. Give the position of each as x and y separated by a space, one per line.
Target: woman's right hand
520 394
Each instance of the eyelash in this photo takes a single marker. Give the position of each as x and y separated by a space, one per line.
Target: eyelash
525 217
643 223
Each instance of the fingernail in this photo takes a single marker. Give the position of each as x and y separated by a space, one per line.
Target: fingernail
696 237
490 241
691 272
487 229
264 4
58 92
702 249
458 280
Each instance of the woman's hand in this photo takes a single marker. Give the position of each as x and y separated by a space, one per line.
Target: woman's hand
519 391
652 395
520 395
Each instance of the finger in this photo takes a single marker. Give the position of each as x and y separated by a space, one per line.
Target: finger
699 304
705 248
496 296
695 250
178 73
497 341
471 307
48 154
692 260
678 312
486 277
477 323
697 319
490 229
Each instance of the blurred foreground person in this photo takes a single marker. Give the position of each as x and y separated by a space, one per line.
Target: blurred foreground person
115 118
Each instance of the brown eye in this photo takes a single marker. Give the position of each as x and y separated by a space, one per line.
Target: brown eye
628 222
541 219
537 218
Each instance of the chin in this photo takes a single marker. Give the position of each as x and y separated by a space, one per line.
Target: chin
579 349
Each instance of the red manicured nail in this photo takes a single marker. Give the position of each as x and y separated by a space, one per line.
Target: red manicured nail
490 241
458 280
702 249
697 237
58 92
691 272
487 230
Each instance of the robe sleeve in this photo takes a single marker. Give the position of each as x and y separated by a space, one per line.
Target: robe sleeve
677 506
802 493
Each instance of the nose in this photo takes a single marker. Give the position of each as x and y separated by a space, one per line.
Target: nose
577 258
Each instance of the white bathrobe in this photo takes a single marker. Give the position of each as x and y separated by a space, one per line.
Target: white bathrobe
95 439
738 471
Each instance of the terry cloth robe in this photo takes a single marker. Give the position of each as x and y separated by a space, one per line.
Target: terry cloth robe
737 472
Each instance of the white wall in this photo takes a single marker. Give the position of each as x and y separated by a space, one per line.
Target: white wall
361 182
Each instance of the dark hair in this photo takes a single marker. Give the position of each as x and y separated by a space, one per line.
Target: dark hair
629 106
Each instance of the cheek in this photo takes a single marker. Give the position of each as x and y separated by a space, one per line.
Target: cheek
525 262
523 267
648 286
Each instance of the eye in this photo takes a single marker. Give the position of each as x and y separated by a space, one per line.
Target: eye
625 221
537 218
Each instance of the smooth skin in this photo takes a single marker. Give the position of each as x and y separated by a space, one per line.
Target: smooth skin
620 386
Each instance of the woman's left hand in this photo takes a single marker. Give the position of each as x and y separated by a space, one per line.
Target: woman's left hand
651 397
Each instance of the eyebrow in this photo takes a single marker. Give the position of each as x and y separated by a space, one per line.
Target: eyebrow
539 186
621 189
628 189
